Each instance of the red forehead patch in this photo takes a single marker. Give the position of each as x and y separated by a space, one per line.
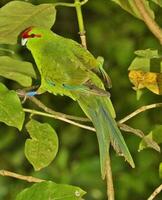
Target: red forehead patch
25 33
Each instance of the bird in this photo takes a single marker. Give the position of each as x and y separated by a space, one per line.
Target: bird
66 68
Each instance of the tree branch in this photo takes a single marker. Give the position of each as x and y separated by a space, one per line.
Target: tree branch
149 21
155 193
139 110
49 110
37 102
35 112
21 177
109 178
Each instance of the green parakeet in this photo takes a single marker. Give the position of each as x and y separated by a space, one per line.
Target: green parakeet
66 68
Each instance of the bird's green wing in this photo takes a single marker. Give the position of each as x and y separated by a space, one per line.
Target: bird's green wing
91 63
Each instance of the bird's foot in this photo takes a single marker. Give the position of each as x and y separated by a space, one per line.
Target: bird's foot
31 93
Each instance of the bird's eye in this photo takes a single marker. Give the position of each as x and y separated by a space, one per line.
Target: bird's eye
32 35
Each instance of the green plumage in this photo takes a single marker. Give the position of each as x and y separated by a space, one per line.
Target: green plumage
68 69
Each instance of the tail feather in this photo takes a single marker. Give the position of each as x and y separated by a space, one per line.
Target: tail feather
98 109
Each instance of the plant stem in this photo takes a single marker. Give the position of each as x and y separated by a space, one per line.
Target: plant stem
64 4
156 192
109 178
82 32
69 4
49 110
139 110
149 21
22 93
35 112
21 177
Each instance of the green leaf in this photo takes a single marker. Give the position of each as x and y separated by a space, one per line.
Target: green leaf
130 7
147 53
52 191
159 2
17 16
147 60
42 148
11 112
155 135
145 71
17 70
148 142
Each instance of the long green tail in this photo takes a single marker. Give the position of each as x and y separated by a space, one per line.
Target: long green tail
99 110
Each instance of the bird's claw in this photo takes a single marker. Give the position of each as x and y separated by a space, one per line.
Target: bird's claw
31 93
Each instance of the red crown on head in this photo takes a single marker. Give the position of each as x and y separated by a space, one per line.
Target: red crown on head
25 33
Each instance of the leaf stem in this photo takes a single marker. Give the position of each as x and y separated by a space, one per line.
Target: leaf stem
82 31
21 177
149 21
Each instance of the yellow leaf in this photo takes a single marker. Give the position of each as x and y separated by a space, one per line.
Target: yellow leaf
149 80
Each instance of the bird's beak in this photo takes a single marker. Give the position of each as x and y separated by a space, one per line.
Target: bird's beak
24 41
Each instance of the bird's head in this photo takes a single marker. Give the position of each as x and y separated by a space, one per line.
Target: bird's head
30 33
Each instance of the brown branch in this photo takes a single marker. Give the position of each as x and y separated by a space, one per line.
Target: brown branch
139 110
155 193
71 119
129 129
83 39
37 102
109 178
21 177
149 21
49 110
35 112
150 143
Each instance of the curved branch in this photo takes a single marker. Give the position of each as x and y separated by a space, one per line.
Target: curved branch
149 21
139 110
22 93
49 110
35 112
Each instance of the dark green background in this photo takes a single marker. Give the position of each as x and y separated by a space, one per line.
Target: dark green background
115 35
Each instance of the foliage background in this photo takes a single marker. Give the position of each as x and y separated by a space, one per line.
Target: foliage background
115 35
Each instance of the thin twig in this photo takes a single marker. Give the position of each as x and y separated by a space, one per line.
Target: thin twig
82 31
49 110
19 176
109 178
37 102
127 128
35 112
149 21
139 110
155 193
150 142
69 118
69 4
